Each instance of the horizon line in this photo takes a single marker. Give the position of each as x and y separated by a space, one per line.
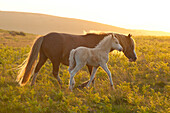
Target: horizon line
83 20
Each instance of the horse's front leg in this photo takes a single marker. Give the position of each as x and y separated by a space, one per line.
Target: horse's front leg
104 66
92 76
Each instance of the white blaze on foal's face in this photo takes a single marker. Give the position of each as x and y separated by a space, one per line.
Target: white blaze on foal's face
116 45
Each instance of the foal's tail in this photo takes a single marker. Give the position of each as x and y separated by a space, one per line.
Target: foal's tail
28 66
72 59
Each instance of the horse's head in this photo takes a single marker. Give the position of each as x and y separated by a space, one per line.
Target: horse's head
128 45
115 43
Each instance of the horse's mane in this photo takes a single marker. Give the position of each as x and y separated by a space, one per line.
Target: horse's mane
96 33
100 33
103 34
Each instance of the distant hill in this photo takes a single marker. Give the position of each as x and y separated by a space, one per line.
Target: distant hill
43 24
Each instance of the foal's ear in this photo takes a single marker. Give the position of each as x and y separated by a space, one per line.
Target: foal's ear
129 35
113 35
110 35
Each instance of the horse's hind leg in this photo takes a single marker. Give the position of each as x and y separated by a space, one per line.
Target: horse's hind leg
56 65
41 62
34 78
90 70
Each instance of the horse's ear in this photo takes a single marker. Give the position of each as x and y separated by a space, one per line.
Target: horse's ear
129 35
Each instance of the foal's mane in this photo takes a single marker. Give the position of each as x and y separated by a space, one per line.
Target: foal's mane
104 42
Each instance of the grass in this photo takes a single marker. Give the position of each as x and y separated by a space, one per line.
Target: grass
141 86
16 39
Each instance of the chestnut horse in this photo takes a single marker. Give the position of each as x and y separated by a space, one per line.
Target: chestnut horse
57 47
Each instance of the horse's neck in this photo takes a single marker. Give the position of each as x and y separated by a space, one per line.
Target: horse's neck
120 41
90 41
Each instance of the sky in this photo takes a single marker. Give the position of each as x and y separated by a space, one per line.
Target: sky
129 14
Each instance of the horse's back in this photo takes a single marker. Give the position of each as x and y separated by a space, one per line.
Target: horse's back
57 46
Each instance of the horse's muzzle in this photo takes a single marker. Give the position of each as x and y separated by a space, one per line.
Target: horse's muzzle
133 59
121 49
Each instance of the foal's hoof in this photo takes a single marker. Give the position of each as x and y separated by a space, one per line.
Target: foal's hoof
70 89
113 88
60 82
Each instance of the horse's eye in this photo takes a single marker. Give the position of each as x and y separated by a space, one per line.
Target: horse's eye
132 46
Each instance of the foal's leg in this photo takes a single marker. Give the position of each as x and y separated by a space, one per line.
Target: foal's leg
72 74
71 67
104 66
90 68
41 62
92 76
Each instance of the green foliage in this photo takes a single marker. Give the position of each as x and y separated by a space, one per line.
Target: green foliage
141 86
14 33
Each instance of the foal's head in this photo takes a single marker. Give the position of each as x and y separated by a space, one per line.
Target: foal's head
115 43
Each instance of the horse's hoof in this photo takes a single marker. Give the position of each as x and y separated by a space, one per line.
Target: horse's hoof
79 87
32 84
83 85
87 87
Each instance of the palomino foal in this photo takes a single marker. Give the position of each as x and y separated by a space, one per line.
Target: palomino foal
95 57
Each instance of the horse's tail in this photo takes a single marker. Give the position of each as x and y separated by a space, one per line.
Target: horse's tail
28 66
72 59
